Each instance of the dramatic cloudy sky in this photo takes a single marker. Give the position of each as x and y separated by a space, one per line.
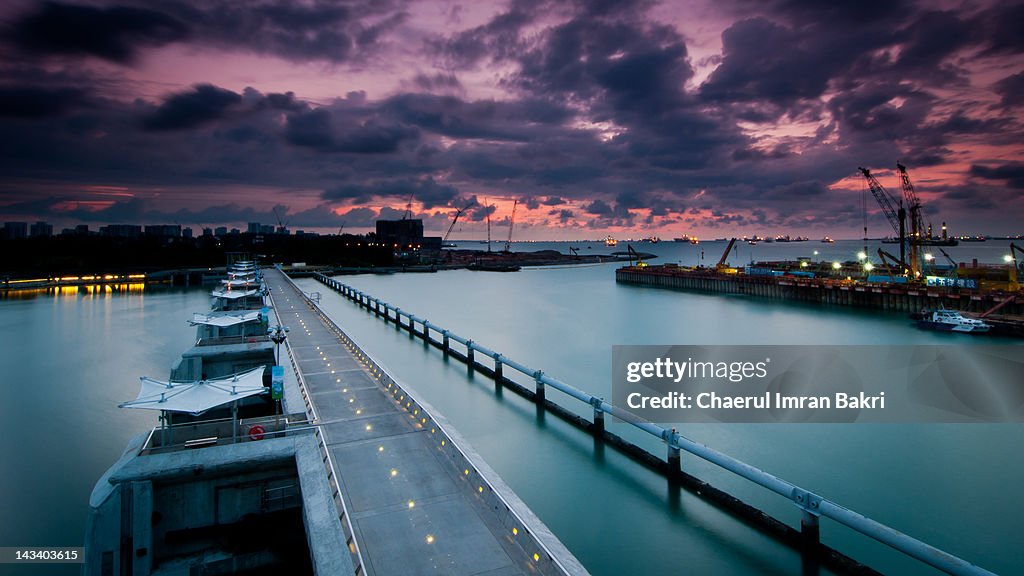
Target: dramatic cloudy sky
710 117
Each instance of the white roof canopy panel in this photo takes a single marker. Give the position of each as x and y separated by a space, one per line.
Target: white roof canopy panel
224 319
198 396
233 294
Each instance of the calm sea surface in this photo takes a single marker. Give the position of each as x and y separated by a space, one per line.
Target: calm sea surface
68 359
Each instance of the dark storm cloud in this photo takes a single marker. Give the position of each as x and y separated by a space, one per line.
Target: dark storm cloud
427 192
1012 173
114 33
203 104
599 112
1011 90
326 30
38 102
762 60
322 130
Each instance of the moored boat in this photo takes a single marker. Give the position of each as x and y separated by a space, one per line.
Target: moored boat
950 321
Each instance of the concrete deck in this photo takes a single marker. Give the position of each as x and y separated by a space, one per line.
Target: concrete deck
412 509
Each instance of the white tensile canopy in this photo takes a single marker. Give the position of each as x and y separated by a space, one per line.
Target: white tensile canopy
233 294
239 282
198 396
225 319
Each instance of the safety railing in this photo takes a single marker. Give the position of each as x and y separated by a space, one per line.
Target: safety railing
811 504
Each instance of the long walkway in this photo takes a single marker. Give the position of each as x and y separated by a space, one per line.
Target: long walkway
413 509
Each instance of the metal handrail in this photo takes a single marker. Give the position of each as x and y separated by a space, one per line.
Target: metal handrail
806 500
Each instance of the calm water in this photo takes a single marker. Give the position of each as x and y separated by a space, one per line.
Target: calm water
69 359
926 480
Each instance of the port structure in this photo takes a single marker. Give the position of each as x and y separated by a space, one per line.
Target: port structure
412 495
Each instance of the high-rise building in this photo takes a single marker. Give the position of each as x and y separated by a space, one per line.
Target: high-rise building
121 230
40 230
186 232
15 230
402 234
254 227
164 230
221 231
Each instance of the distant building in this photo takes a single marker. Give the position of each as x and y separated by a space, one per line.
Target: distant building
82 230
220 231
164 230
236 231
15 230
121 230
401 234
186 232
40 230
282 230
207 231
254 227
266 229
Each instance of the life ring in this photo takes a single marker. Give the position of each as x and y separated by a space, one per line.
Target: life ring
256 432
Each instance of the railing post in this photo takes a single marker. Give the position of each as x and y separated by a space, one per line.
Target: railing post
469 353
445 344
673 459
598 416
810 530
426 331
810 505
497 369
538 377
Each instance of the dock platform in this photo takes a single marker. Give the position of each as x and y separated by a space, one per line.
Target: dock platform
416 499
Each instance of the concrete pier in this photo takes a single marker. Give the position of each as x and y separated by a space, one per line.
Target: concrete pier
415 497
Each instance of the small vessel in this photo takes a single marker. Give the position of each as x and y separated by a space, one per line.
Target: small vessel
827 240
609 241
950 321
492 267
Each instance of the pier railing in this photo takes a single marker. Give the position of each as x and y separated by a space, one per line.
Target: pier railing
812 505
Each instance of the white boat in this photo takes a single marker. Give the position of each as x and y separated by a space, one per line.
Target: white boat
951 321
609 241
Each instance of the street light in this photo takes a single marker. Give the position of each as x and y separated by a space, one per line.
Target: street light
929 257
862 255
278 334
869 266
1007 258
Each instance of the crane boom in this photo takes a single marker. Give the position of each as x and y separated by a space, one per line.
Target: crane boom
458 213
884 199
511 224
725 255
897 216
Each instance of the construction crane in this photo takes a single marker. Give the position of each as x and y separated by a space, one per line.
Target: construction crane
282 225
885 257
341 228
634 254
952 263
897 216
1015 265
408 207
458 213
721 265
511 224
488 211
914 206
